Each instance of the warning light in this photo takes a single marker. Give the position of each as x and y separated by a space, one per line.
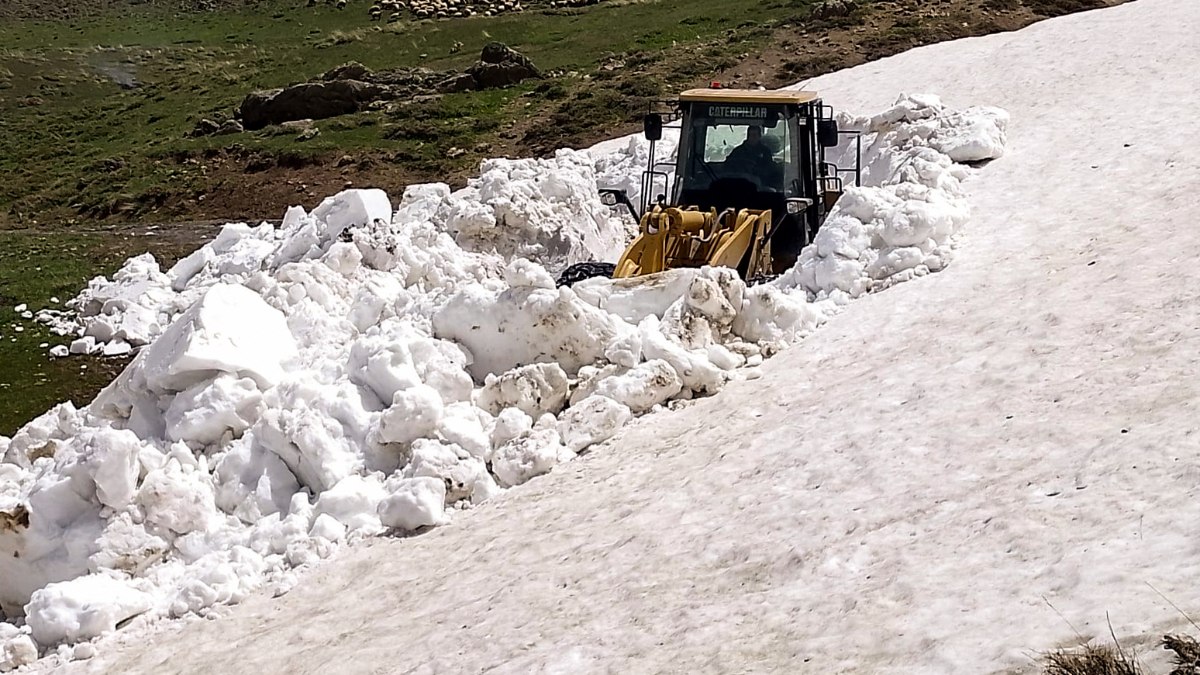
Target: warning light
716 85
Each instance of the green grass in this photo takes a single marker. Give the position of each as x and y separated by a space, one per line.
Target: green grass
64 122
33 269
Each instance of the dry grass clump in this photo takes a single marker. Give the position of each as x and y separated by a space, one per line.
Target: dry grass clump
1187 654
1090 660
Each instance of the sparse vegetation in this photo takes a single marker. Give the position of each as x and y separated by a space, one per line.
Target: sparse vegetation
1187 654
1090 660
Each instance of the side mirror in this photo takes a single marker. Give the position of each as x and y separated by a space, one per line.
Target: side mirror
798 205
613 197
652 124
827 133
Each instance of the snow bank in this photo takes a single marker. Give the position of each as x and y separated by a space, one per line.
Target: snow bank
543 209
900 226
360 368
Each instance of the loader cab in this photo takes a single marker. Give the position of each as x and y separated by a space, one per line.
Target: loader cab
741 154
719 166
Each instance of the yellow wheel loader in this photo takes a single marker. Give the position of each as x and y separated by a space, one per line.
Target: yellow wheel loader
751 185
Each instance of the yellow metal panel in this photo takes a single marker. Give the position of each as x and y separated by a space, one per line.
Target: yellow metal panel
748 96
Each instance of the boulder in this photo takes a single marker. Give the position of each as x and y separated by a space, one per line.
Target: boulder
348 71
311 100
457 83
205 127
229 127
831 9
501 66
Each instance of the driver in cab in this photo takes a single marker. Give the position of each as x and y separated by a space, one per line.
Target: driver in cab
753 155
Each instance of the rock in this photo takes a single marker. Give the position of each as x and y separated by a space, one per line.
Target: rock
308 134
501 66
348 71
457 83
205 127
311 100
229 127
297 125
829 9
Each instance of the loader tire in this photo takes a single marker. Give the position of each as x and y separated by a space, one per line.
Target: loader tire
585 270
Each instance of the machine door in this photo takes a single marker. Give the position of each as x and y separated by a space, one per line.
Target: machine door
737 156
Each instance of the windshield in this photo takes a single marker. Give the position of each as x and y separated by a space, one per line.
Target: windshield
751 149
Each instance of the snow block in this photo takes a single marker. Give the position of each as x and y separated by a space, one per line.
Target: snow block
414 503
311 236
536 389
637 298
82 608
17 648
229 330
529 455
640 388
522 326
595 419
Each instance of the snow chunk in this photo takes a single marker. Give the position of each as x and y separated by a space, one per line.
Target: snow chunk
595 419
82 608
320 449
503 330
522 273
84 345
467 426
128 307
771 317
113 465
639 297
206 411
529 455
251 482
640 388
458 470
693 367
414 413
394 356
230 329
545 209
510 424
17 648
414 503
219 577
311 236
354 502
972 135
177 498
535 389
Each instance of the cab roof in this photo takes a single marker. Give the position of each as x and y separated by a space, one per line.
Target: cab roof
791 96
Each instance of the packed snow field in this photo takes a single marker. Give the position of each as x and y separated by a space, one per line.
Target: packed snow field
363 368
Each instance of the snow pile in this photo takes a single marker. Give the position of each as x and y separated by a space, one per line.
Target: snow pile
542 209
359 369
546 209
901 226
621 161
